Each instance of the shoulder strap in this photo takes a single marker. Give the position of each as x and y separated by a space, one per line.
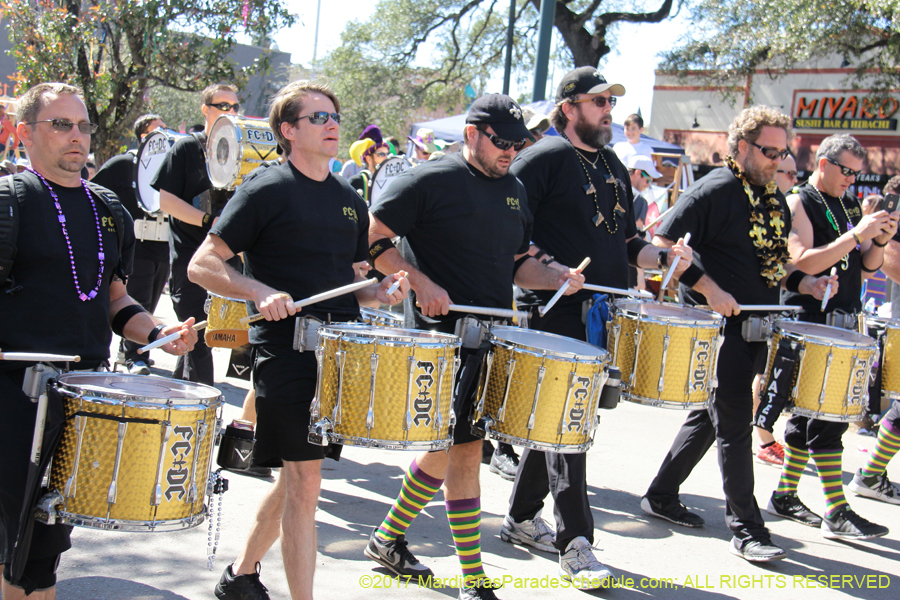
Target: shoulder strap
115 208
9 226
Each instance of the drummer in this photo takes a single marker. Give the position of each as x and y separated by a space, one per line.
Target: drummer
59 297
467 227
369 151
301 229
830 231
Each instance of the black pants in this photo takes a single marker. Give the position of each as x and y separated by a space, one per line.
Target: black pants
188 299
728 422
562 475
145 285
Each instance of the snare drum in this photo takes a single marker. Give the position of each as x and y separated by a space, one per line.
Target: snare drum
150 156
224 329
887 332
236 146
540 390
381 387
832 380
136 451
382 318
667 353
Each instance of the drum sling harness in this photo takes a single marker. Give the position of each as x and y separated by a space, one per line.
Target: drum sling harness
777 391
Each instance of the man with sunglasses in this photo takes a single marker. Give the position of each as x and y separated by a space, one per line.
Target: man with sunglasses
187 196
467 230
830 231
786 175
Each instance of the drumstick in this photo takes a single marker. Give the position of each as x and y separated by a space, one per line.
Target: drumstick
395 285
617 291
647 227
828 289
37 357
771 307
506 313
671 271
346 289
169 338
562 289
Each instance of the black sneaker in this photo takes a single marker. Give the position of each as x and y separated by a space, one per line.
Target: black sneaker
505 465
847 525
789 506
395 556
241 587
674 512
483 589
757 548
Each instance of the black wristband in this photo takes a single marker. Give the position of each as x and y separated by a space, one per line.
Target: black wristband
691 275
521 262
662 259
378 248
877 245
793 281
123 316
154 333
868 270
206 223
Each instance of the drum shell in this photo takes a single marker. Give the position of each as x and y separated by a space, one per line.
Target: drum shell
224 328
235 449
254 143
888 332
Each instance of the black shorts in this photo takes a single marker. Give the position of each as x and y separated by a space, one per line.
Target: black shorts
285 384
39 574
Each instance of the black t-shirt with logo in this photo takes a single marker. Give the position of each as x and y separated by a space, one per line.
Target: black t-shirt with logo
298 236
564 213
830 221
462 229
716 212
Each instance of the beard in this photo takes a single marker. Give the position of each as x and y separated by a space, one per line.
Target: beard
594 135
759 173
488 167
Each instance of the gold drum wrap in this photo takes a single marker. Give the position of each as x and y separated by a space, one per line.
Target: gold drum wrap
236 146
686 364
224 329
888 332
185 411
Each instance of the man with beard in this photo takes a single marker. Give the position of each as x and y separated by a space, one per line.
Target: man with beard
738 221
581 199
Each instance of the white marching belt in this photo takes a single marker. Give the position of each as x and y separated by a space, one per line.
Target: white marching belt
152 230
756 329
306 333
473 331
842 320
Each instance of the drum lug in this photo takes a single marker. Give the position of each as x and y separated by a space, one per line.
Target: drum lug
452 411
714 371
157 488
47 509
198 443
479 410
112 493
537 393
662 366
207 304
795 393
638 334
825 379
510 369
370 416
314 407
319 433
72 482
438 419
339 356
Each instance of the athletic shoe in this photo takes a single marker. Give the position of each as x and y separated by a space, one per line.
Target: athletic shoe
791 507
674 512
878 487
138 367
535 533
505 465
847 525
771 455
241 587
483 589
757 548
395 556
579 565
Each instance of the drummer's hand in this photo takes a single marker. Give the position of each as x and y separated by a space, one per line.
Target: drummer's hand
723 303
362 268
685 252
274 305
185 343
397 295
815 286
575 279
432 299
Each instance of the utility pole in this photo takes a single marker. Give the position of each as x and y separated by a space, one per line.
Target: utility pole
545 35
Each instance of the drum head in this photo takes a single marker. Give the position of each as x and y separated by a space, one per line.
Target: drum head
669 311
223 154
369 314
148 161
386 173
824 333
123 386
366 332
541 340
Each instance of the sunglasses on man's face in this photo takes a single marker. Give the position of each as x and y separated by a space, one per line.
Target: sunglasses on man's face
65 125
599 101
772 153
320 117
225 107
791 174
845 171
504 144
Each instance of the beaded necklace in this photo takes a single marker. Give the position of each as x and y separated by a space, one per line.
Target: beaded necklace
831 216
592 189
62 223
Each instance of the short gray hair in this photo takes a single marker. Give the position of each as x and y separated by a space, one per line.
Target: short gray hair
834 145
32 101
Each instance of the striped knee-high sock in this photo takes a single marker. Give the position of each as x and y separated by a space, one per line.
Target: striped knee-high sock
885 448
465 526
828 464
416 492
795 460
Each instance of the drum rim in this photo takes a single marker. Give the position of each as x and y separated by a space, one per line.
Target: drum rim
130 525
356 331
226 297
381 313
866 341
715 319
215 397
603 356
231 184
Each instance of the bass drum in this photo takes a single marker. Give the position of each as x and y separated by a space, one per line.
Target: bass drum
385 174
236 146
150 156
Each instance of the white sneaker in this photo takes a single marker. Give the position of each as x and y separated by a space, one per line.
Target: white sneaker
878 487
579 565
535 533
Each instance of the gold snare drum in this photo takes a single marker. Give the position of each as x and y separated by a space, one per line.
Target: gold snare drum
887 332
381 387
236 146
224 329
136 451
667 353
831 382
541 390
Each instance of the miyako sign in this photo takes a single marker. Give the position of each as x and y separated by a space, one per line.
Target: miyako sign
831 109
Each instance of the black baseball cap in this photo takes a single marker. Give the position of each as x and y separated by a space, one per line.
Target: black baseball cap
503 115
586 80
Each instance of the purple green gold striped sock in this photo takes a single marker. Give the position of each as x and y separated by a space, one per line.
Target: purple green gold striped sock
885 448
828 464
416 492
465 526
795 460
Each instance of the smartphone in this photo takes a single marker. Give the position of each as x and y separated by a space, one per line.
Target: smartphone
890 202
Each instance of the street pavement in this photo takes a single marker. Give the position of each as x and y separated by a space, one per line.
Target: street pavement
651 558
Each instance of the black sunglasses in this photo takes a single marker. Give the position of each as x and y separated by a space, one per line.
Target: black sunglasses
772 153
791 174
320 117
599 101
504 144
225 107
845 171
65 125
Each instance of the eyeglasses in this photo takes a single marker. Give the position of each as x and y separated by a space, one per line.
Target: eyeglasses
225 107
599 101
845 171
771 153
504 144
791 174
320 117
65 125
382 154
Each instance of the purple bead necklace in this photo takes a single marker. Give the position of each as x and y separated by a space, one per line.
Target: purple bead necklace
62 222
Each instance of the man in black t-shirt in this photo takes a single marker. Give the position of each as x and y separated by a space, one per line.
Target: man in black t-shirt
301 229
830 231
186 194
467 231
151 256
580 196
739 222
64 294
